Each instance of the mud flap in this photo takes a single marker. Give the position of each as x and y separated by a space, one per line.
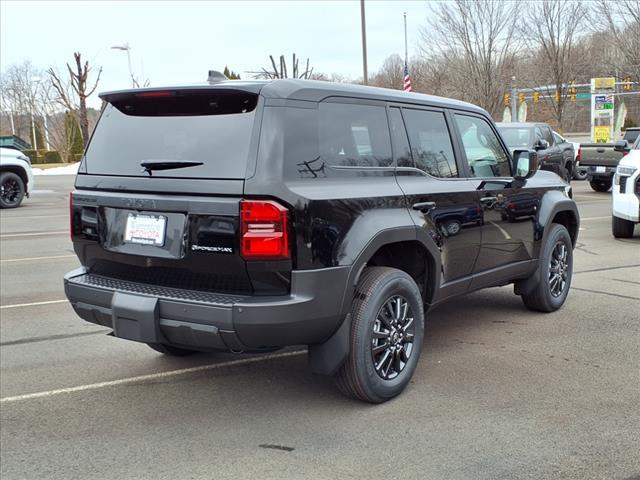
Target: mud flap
136 318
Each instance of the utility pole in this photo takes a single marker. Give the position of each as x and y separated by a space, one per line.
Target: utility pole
364 44
406 50
514 101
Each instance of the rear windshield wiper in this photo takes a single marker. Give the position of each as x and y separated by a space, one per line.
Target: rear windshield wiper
150 165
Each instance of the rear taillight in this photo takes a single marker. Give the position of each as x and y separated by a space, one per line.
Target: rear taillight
578 155
71 215
264 230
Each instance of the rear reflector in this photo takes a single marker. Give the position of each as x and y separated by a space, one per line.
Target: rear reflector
264 230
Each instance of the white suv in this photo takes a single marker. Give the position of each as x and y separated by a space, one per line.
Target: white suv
16 178
626 193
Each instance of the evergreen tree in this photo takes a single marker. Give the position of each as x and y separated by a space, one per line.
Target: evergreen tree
39 138
73 137
230 74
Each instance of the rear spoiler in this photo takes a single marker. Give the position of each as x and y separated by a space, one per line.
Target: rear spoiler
231 85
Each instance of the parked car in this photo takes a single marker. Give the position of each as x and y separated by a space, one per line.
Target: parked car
626 194
16 178
601 159
249 216
554 157
578 172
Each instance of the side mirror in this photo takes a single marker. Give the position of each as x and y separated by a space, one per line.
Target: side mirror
525 164
541 144
621 146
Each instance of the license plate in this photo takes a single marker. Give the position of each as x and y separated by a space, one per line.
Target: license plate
601 169
145 229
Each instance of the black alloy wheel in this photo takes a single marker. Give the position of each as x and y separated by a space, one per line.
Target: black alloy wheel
558 269
553 276
11 190
393 335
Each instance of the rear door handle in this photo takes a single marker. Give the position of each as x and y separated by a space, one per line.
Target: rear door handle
424 207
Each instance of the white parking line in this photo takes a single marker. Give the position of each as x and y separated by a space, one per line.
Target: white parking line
595 218
151 376
33 234
29 259
33 304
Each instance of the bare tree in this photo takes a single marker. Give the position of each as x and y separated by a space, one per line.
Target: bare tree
280 70
72 94
391 74
557 62
620 20
479 39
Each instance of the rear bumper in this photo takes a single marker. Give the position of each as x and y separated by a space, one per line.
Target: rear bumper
212 321
600 172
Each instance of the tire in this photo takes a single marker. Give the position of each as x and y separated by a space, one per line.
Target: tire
567 175
554 272
171 350
378 376
600 185
622 228
580 173
11 190
452 227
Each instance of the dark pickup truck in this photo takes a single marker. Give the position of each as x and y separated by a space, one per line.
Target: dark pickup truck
601 159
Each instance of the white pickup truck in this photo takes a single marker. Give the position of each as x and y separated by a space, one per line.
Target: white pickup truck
626 193
16 178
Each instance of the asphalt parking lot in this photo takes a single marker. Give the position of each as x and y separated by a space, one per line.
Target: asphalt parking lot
500 392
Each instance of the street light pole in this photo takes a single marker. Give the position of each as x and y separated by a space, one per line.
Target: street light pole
127 49
364 43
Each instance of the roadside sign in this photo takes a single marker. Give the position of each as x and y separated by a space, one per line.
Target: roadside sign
583 96
602 109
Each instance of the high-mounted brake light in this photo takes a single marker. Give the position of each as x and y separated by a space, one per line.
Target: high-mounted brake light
155 94
264 230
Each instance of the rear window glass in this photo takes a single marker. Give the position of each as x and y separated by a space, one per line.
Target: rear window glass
211 127
516 137
631 135
352 135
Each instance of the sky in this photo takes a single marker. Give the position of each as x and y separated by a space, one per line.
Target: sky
179 41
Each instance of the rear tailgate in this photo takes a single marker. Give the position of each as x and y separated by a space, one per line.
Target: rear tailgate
599 154
177 226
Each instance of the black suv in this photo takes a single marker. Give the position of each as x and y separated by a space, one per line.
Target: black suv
249 216
552 155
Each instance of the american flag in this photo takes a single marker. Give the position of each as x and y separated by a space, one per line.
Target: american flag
407 78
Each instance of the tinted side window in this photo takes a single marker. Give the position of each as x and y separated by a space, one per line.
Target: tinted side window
401 150
430 143
353 135
547 135
539 135
484 153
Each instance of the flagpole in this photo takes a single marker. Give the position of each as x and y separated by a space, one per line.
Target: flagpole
406 54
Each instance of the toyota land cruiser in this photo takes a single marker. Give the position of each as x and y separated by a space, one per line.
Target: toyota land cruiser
250 216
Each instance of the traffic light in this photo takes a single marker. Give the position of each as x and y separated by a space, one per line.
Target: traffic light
627 84
507 99
521 97
572 91
557 96
536 97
